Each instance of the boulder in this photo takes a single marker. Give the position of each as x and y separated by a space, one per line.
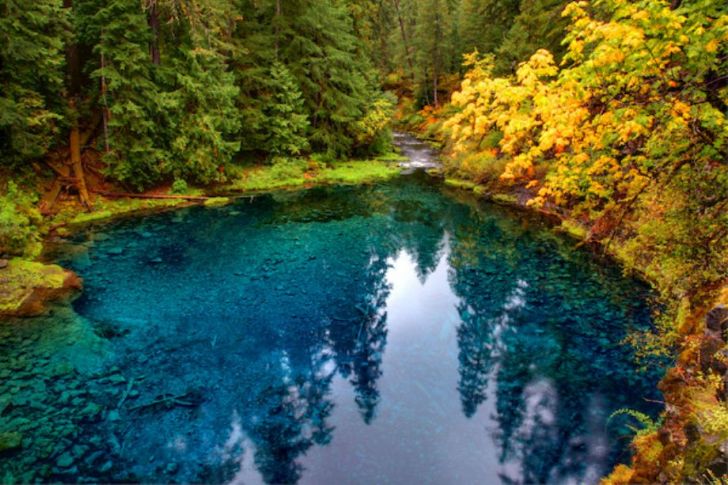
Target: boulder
717 319
26 287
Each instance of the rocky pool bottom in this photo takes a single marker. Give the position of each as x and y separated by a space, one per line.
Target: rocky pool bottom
383 334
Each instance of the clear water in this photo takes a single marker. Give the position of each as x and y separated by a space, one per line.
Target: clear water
393 333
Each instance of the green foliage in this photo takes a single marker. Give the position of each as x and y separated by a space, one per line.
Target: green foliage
31 77
19 223
538 25
483 24
647 424
133 97
179 186
287 122
204 120
372 131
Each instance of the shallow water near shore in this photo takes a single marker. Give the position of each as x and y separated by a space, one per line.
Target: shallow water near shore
392 333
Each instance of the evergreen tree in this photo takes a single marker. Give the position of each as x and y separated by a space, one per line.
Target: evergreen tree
539 25
433 48
204 122
133 98
31 77
321 52
286 120
484 23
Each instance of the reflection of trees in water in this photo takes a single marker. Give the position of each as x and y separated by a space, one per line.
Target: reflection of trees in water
358 343
294 419
555 361
354 339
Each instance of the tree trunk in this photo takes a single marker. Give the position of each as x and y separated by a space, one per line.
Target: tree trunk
405 40
106 114
435 89
76 165
75 72
153 20
276 27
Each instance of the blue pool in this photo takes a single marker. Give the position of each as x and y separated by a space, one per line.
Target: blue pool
392 333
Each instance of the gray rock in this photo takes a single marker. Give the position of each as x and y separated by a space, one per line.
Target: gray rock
717 319
4 263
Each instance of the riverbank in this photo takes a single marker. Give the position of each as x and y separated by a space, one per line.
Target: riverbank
690 439
27 292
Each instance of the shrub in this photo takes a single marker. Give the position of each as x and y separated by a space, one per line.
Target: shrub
19 223
179 186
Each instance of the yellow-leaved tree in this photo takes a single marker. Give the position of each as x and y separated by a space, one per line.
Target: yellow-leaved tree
628 136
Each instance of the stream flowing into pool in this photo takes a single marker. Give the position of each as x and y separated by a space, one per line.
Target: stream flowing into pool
392 333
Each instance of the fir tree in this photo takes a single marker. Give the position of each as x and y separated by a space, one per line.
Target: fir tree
31 77
484 23
204 121
134 99
286 121
434 48
539 25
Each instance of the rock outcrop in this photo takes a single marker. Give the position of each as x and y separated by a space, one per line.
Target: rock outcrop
26 287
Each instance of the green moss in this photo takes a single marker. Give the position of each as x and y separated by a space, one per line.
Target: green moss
291 174
574 229
358 171
108 208
217 201
18 280
460 183
84 217
480 190
508 199
391 157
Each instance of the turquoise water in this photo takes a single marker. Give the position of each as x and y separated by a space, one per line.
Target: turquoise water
393 333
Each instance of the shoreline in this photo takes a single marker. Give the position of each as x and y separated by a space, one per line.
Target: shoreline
676 442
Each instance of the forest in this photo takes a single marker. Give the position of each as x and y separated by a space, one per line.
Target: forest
608 118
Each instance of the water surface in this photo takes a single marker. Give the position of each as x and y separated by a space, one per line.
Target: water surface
392 333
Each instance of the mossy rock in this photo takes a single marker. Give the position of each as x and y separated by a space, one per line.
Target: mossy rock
26 287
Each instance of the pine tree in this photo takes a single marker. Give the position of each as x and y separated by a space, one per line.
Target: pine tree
321 52
31 77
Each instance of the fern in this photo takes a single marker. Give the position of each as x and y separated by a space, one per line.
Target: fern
649 425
